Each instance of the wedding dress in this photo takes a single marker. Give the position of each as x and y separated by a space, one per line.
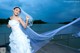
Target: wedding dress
19 41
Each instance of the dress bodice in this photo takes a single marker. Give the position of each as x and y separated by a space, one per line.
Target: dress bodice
14 24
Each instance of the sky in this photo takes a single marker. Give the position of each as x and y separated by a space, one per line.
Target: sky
51 11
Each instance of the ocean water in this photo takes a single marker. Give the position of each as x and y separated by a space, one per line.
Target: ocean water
39 28
65 39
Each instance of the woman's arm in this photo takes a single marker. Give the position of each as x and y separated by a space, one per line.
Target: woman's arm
7 23
23 23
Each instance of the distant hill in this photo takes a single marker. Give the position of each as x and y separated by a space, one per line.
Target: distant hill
39 22
74 19
67 22
63 22
5 21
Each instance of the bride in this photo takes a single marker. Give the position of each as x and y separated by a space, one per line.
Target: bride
19 43
25 40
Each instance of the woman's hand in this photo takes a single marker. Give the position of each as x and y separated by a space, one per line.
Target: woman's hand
27 17
8 26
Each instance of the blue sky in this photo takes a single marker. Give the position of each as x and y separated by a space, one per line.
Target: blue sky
52 11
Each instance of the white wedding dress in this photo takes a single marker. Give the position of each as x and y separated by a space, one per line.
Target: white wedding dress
19 42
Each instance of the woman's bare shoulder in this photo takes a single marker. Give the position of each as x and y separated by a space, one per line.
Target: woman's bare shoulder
10 17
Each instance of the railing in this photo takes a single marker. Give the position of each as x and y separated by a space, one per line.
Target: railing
4 39
68 40
65 39
4 42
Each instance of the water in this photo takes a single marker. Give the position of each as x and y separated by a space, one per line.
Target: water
41 28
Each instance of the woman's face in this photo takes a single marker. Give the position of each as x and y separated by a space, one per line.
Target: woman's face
16 11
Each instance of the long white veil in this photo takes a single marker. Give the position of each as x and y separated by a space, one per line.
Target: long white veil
23 15
39 40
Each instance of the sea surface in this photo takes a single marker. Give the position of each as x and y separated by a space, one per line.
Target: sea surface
68 39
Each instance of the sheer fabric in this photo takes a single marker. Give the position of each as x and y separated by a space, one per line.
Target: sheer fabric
39 40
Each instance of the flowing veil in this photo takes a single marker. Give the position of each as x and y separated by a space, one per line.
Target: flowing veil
39 40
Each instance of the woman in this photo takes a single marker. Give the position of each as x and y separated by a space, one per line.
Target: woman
19 43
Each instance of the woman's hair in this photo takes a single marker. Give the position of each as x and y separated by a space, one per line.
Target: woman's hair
18 8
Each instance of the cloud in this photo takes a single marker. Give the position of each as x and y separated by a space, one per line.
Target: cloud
48 10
